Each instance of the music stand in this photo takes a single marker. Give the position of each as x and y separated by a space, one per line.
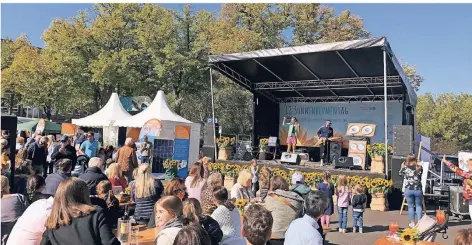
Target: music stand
273 143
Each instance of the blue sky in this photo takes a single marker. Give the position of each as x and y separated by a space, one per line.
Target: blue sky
437 38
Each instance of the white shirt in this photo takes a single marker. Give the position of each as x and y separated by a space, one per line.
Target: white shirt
303 231
29 228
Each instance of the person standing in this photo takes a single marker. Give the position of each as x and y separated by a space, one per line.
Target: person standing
146 148
255 177
53 147
411 173
66 151
324 133
37 153
293 128
126 158
90 146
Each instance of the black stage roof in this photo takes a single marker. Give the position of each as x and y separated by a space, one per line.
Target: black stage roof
329 72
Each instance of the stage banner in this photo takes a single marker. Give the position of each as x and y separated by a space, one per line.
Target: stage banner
152 128
68 128
181 149
312 116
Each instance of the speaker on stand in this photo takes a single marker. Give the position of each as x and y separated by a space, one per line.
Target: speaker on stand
335 150
358 152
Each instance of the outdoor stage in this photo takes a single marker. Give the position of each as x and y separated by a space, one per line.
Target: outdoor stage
307 166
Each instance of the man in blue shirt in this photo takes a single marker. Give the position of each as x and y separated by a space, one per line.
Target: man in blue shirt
90 146
304 231
324 133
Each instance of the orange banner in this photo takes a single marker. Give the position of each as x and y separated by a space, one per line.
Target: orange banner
68 128
182 132
133 133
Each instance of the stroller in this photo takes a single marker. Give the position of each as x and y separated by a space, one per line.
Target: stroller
428 228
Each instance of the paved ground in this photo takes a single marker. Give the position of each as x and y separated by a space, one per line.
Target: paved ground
376 225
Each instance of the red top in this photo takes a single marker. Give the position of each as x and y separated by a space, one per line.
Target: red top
119 182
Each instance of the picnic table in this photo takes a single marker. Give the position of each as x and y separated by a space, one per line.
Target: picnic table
146 236
384 241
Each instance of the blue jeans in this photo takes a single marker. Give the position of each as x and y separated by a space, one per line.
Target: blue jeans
342 218
414 198
357 219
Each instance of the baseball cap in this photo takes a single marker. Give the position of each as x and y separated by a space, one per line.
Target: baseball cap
297 177
64 138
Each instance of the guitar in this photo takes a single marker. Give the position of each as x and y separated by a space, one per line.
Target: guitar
322 140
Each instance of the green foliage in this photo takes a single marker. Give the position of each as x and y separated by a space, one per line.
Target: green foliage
446 119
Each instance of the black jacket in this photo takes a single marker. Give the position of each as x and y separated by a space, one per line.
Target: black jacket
213 229
90 229
37 154
53 181
92 177
68 152
358 201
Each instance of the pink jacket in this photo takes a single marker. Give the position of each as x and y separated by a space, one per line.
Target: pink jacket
344 198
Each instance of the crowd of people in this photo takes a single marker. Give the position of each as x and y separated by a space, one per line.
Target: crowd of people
68 197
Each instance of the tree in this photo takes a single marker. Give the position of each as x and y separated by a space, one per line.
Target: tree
415 79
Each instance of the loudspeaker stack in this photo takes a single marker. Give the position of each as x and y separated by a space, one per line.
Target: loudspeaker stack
402 140
358 152
335 150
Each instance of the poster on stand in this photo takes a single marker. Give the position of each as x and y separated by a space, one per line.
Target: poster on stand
181 149
463 157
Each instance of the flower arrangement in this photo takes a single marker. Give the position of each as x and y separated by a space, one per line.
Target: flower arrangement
409 235
378 149
171 168
224 142
263 144
373 185
240 204
128 190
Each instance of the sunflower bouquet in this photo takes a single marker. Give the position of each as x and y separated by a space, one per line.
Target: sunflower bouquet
378 149
170 167
225 142
263 144
409 235
240 204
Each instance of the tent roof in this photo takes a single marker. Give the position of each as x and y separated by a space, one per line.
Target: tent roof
340 71
50 127
113 110
157 109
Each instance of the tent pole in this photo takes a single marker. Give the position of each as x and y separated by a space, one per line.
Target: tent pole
213 112
385 111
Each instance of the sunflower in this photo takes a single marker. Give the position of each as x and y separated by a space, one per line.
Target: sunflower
409 235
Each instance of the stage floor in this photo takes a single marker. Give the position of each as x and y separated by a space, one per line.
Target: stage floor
308 166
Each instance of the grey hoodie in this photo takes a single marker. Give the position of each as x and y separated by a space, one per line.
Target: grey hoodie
283 214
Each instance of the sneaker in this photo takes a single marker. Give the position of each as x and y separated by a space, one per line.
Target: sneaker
354 229
340 230
360 230
344 230
412 225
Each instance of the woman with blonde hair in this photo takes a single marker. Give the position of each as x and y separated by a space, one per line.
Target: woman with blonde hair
145 192
126 158
53 148
115 176
411 173
343 198
207 199
74 220
195 181
242 189
168 217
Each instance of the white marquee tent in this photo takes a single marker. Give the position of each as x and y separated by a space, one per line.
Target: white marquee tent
113 110
159 109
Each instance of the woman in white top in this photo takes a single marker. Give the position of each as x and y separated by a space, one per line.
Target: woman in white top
29 228
195 181
242 189
228 218
168 214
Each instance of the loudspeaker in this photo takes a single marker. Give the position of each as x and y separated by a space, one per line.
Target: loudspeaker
209 151
357 150
290 158
343 162
395 199
402 140
396 164
335 150
361 129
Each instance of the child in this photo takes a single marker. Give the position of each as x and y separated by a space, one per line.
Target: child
264 182
327 188
104 192
463 237
358 205
255 177
344 196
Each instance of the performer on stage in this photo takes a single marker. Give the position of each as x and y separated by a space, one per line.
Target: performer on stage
293 128
324 133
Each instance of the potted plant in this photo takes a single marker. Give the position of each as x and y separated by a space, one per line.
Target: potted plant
170 167
225 145
376 152
379 188
263 144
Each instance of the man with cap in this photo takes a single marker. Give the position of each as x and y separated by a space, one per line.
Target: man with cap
66 151
298 184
